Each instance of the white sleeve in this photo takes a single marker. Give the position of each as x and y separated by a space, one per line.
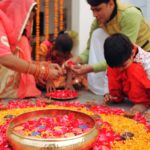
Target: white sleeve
143 58
106 90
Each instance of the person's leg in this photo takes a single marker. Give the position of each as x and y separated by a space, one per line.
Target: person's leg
147 115
137 108
137 92
96 55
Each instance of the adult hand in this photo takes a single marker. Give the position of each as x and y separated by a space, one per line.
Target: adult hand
71 62
54 71
82 69
55 66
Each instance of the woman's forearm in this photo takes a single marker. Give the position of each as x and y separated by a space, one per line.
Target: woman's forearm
16 64
40 70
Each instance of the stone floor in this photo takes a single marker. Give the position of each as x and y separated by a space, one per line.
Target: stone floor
87 96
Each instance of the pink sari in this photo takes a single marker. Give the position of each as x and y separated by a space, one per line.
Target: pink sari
14 15
27 86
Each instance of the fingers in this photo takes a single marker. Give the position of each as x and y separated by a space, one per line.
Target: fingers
71 62
106 98
77 69
113 98
109 98
68 66
82 69
56 67
54 71
50 87
69 88
41 81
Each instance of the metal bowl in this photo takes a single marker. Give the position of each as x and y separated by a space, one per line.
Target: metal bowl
80 142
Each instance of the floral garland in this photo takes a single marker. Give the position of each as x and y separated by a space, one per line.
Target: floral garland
46 19
55 18
61 26
37 29
116 132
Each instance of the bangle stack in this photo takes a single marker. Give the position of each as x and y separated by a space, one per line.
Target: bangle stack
41 70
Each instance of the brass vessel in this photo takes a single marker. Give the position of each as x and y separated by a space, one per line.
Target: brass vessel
79 142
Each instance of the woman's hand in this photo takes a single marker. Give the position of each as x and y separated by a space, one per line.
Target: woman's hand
54 71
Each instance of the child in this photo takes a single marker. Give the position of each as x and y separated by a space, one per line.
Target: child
128 72
58 53
61 49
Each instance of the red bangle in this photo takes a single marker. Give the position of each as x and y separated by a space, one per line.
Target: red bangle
37 70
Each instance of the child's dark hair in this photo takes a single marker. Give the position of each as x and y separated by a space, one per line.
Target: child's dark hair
63 42
117 49
98 2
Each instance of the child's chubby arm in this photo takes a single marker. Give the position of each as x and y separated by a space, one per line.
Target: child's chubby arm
69 84
50 86
108 98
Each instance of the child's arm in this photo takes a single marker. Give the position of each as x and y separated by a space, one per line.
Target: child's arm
69 85
108 98
45 48
50 86
115 87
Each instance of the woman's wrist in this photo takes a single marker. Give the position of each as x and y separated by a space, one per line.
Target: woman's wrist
38 70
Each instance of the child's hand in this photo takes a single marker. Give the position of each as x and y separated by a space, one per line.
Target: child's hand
69 85
55 66
108 98
50 87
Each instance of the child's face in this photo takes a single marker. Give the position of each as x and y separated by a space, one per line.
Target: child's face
127 63
60 54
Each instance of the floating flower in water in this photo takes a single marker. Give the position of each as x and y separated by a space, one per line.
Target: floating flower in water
116 132
53 127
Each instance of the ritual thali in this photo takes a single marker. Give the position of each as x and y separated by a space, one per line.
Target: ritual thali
63 94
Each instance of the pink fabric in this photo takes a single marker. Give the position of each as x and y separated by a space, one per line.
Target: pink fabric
27 87
13 17
47 43
131 82
4 46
